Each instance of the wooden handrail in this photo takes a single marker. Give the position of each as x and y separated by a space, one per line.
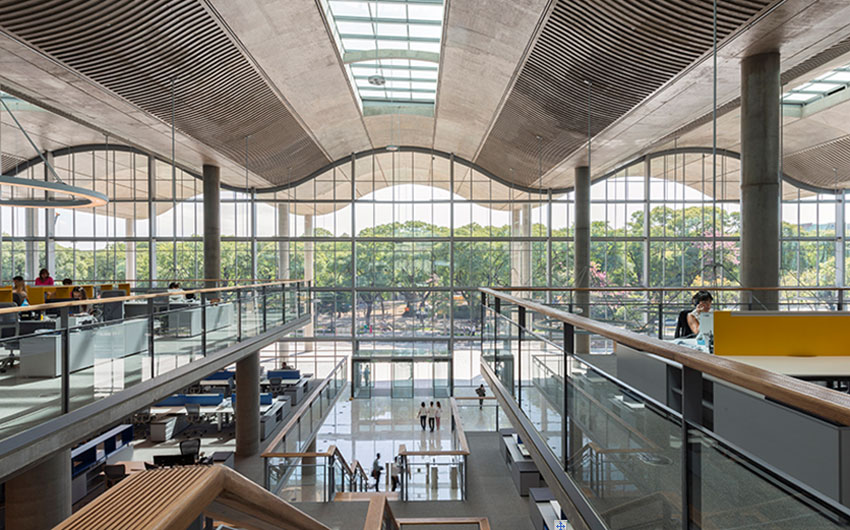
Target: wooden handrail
268 451
666 289
173 498
97 301
808 397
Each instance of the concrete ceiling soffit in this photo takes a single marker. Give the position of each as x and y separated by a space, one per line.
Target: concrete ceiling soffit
290 43
401 129
799 29
482 49
218 98
626 51
76 110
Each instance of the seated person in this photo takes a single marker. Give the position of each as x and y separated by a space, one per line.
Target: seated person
174 287
78 293
67 281
702 300
19 290
44 278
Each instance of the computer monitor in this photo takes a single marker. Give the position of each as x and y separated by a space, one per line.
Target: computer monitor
173 460
56 311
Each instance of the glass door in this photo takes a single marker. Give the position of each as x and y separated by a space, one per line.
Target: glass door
402 384
441 379
362 379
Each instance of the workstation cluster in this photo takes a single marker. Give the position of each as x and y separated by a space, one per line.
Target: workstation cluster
191 427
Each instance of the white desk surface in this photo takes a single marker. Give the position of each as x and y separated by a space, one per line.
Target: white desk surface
821 366
224 407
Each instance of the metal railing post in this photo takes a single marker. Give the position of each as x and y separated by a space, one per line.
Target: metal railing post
64 321
661 321
569 349
265 313
266 475
238 315
283 302
691 462
204 323
520 336
151 337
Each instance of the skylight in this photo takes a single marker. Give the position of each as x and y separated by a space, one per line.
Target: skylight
391 47
827 84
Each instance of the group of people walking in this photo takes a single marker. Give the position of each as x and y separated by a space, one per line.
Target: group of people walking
430 415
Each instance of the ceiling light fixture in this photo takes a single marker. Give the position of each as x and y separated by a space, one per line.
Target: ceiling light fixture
377 80
80 197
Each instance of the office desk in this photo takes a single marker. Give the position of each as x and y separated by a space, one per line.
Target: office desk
221 411
188 318
41 355
826 368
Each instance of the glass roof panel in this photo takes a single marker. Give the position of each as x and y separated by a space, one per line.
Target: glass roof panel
397 31
826 84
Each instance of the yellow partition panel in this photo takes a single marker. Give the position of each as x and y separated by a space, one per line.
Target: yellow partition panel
801 334
35 295
89 289
6 295
106 287
125 287
62 292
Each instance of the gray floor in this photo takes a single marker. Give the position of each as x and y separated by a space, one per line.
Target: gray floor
491 494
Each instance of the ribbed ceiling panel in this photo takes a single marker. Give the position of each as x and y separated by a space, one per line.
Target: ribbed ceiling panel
136 47
827 165
626 49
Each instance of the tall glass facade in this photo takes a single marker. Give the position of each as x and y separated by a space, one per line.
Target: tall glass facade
396 243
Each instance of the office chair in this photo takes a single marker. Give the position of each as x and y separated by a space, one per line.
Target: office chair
8 329
683 330
194 418
275 385
149 466
113 311
191 448
114 474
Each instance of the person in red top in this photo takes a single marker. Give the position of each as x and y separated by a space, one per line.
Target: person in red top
44 278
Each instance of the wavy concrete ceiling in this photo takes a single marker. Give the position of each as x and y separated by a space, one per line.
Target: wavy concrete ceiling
625 50
508 74
139 49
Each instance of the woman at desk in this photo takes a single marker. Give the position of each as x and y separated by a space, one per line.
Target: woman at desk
44 278
78 293
702 300
19 290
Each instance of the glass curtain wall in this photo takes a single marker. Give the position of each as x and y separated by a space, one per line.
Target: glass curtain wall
397 243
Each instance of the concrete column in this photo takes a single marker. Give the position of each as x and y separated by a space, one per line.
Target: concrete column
41 496
283 266
130 251
309 462
283 245
582 250
248 405
152 229
212 223
521 250
49 222
760 179
30 246
309 250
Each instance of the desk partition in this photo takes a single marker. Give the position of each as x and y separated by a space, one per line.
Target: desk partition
793 333
56 365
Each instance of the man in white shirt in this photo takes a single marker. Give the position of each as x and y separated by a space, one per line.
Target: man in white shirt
432 414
